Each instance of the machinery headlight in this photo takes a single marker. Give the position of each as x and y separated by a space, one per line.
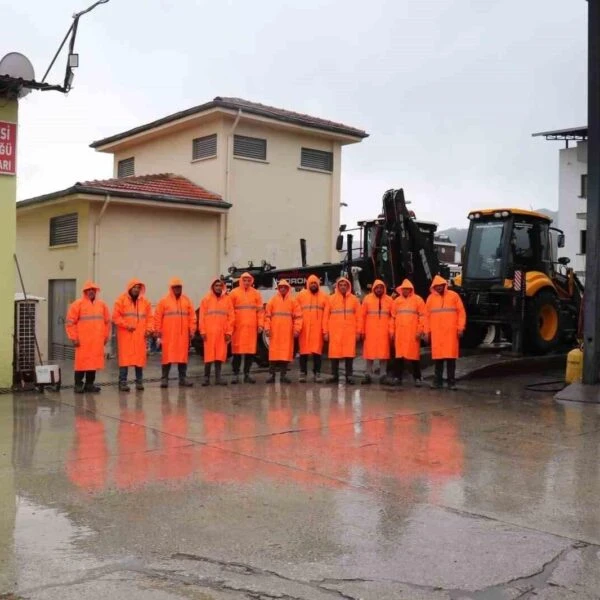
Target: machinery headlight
505 213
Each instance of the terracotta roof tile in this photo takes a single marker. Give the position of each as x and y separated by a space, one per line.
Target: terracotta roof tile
164 184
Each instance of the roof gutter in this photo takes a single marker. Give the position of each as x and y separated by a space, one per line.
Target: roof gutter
96 251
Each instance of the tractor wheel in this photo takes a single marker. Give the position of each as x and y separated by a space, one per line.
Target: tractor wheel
542 329
474 335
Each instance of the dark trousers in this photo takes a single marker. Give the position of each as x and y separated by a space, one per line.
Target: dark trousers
399 368
181 369
450 370
278 365
124 373
316 363
236 363
335 366
90 377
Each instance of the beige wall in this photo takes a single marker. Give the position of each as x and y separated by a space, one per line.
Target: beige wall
274 203
155 245
40 263
173 154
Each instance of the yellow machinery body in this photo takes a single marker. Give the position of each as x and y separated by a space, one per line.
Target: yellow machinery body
574 366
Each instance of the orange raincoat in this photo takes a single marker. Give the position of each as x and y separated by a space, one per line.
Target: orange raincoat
342 323
376 318
249 316
313 310
175 322
127 313
283 318
408 322
89 323
216 321
445 318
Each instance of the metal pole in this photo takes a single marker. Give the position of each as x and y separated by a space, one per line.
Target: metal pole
591 302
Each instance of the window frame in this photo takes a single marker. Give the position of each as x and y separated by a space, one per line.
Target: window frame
205 138
238 137
582 242
315 151
53 221
122 163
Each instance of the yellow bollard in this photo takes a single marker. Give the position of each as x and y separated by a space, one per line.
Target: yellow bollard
574 366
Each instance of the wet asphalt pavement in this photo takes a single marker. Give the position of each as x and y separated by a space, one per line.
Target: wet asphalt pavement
301 492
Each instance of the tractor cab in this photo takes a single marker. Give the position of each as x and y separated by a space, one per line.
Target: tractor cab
511 279
505 240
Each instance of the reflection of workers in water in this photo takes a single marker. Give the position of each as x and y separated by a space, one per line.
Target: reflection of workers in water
132 468
87 461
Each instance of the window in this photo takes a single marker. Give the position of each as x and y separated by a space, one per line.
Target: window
316 159
204 147
583 190
582 241
249 147
485 253
63 230
126 167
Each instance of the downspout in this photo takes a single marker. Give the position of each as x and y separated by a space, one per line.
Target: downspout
97 238
228 180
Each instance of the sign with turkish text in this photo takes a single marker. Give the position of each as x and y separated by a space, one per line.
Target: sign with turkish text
8 148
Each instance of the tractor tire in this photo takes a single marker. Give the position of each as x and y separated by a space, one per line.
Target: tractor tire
474 335
542 327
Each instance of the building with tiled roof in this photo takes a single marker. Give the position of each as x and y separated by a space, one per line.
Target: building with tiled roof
226 182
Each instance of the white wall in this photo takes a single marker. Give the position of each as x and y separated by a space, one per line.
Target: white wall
572 164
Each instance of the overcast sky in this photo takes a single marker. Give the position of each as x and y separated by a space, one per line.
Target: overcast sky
449 90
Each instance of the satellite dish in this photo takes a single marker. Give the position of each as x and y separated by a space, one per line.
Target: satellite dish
17 66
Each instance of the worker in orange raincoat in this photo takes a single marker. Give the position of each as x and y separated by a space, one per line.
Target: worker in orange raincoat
88 327
342 328
406 330
376 317
175 324
445 321
216 328
249 322
132 314
312 303
283 323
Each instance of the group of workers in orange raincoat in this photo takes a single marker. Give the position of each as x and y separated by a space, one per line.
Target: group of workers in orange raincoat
309 320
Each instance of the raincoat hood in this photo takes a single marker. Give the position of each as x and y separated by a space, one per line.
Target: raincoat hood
212 286
175 281
406 284
337 285
285 283
133 282
246 275
438 280
90 285
312 279
379 282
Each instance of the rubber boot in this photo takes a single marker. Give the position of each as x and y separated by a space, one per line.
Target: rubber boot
218 379
123 387
164 378
284 378
366 380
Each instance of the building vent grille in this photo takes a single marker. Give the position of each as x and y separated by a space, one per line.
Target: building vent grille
316 159
126 167
64 229
204 147
250 147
